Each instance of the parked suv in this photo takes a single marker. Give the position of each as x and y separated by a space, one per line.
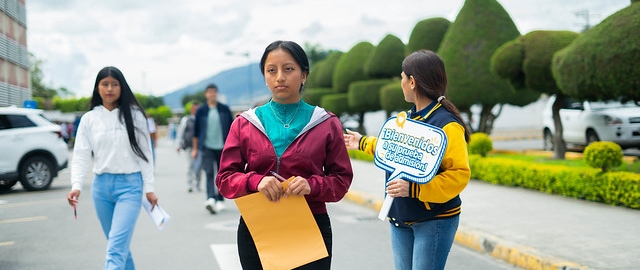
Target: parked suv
587 122
32 149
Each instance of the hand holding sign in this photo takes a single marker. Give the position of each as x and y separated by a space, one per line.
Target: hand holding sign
408 149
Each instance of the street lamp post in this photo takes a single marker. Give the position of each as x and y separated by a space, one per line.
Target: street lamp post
249 78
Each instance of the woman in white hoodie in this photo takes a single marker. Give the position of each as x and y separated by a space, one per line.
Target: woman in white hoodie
115 131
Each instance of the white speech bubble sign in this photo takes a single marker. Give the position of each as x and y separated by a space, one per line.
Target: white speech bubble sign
410 150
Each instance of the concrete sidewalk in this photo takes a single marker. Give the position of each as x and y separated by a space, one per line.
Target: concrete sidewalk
530 229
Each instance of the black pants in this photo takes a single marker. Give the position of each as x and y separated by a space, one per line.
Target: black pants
211 157
250 260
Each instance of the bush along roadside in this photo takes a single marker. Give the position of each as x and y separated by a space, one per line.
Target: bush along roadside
615 188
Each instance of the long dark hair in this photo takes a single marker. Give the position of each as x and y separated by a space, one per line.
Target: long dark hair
298 54
427 68
125 102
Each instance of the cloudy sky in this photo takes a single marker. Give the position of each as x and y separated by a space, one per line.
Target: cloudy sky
163 45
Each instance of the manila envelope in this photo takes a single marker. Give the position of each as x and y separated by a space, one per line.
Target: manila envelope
285 232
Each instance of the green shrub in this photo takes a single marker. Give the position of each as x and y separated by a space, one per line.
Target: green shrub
615 188
604 155
480 144
359 155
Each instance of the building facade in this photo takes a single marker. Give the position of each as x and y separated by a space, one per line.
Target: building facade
14 57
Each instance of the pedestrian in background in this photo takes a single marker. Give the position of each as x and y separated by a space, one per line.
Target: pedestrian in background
184 141
424 217
153 134
115 133
211 128
64 130
292 138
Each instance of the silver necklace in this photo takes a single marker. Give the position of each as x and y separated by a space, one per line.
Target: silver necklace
287 125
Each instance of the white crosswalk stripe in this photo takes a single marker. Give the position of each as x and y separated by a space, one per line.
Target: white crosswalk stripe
227 256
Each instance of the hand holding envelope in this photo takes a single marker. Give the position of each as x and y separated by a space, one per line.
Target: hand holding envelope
295 185
266 218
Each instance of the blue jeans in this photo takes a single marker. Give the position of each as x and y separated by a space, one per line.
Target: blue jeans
193 171
211 157
118 199
423 245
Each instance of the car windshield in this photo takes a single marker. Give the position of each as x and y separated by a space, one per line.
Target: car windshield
45 118
599 105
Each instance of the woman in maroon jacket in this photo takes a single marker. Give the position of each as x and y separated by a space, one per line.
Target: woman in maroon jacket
292 138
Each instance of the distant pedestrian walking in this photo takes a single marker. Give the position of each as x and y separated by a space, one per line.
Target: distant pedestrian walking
184 141
153 134
211 128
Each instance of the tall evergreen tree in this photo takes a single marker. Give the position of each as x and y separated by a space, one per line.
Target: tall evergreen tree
526 63
479 29
427 34
350 67
385 61
602 64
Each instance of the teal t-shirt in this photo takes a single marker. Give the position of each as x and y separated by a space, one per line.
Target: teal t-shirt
213 138
274 116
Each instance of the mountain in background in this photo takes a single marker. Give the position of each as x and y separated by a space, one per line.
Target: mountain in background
234 89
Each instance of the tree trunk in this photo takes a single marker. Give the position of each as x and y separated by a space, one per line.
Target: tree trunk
560 148
486 119
469 119
361 128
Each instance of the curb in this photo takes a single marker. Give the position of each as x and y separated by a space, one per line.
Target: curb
512 253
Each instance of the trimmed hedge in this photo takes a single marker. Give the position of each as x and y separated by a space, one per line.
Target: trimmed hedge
313 96
615 188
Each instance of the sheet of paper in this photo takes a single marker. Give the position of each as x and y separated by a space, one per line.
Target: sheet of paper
285 232
158 215
386 206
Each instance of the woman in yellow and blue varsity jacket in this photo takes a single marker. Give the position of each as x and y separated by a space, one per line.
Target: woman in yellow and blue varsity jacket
424 217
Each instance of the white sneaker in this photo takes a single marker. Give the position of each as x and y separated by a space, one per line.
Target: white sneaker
209 205
219 206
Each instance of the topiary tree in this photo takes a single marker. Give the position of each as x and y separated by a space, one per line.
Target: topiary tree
602 63
479 29
314 95
385 61
323 76
350 67
392 98
603 154
313 80
526 63
427 34
336 103
364 96
480 144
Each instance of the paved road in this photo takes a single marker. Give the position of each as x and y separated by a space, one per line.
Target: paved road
38 231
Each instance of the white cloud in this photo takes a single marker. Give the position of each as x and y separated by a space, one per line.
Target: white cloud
163 45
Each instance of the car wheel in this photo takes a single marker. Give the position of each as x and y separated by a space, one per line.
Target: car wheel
7 184
36 174
592 136
547 141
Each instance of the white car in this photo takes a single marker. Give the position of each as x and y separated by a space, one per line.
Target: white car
32 149
587 122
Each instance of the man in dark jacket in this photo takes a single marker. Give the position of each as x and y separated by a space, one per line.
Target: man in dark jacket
211 128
